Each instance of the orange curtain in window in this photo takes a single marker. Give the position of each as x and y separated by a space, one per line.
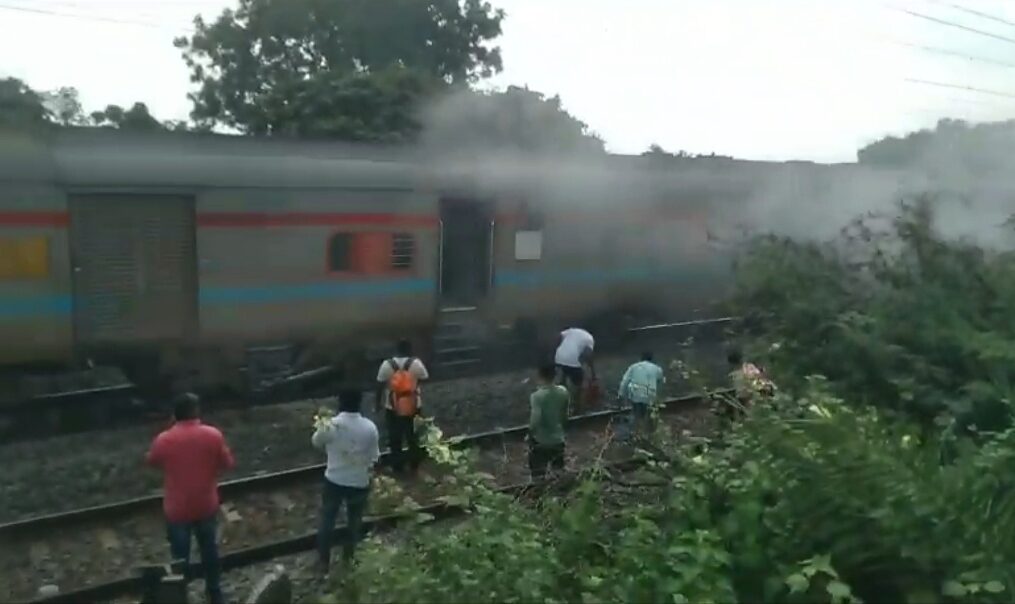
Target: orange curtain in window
371 253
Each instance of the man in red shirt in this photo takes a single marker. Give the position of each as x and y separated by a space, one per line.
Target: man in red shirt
191 456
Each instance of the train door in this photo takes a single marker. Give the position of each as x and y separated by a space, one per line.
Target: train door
466 257
134 270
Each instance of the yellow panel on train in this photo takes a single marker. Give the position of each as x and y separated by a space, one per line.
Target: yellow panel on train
24 258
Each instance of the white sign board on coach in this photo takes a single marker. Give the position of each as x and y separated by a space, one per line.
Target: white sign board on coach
528 245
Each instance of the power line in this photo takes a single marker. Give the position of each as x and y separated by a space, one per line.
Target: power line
952 53
954 24
53 13
977 13
961 87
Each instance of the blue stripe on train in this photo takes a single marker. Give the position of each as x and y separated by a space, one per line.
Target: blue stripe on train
313 291
15 307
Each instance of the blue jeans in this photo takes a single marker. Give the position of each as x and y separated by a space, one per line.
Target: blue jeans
332 496
179 534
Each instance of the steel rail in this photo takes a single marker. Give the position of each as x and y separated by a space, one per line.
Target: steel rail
302 543
255 483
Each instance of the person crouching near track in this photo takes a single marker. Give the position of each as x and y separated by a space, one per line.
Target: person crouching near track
548 413
351 443
639 388
191 456
749 384
398 385
575 349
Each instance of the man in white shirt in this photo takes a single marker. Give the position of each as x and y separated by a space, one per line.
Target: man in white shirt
351 442
574 350
401 429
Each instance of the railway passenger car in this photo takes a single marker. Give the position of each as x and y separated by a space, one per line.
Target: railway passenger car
173 256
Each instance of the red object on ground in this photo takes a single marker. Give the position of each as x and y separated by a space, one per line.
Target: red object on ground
191 456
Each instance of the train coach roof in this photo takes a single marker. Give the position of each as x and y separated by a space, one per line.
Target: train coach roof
103 158
99 158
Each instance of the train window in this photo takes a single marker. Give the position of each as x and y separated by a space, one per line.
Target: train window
403 248
340 252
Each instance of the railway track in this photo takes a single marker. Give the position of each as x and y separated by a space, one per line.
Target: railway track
123 404
88 553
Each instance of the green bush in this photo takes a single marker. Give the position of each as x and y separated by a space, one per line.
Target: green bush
891 313
807 500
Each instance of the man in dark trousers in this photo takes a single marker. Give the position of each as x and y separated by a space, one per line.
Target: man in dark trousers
350 440
192 456
400 421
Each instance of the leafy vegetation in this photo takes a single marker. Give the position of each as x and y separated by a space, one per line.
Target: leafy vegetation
892 314
951 144
272 66
22 107
808 500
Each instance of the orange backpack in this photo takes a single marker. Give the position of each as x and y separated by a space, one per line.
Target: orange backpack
403 389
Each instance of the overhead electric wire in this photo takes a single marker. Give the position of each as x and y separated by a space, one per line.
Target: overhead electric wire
947 23
952 53
961 87
970 11
53 13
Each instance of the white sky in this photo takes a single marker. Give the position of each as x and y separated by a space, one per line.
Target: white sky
758 79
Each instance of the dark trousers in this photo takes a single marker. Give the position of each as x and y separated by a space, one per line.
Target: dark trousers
332 497
179 534
572 377
642 415
401 430
540 457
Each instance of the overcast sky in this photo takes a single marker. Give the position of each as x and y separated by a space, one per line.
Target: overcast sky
758 79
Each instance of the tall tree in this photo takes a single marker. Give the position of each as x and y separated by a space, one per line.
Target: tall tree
268 65
64 106
517 118
20 106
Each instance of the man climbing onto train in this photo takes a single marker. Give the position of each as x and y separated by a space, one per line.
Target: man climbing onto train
398 386
351 443
547 415
640 388
575 351
192 456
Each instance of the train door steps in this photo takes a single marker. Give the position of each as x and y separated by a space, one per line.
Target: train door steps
458 341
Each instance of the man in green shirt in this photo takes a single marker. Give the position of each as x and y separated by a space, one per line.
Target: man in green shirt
548 405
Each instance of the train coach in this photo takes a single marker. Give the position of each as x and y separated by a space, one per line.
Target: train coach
176 257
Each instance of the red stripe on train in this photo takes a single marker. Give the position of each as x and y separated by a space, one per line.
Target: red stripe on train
34 219
263 219
243 219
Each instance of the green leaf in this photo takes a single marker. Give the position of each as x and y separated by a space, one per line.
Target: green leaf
953 589
994 587
797 583
838 590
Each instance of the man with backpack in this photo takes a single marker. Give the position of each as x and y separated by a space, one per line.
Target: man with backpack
398 387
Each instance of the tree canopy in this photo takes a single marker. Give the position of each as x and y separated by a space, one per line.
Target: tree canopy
517 118
136 118
22 107
274 66
976 147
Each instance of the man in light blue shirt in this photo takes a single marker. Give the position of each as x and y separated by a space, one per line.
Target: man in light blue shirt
640 387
